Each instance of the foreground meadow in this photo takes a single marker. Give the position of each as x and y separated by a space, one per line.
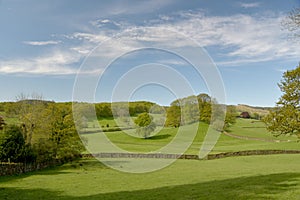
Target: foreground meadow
253 177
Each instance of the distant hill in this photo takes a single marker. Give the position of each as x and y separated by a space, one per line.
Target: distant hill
262 111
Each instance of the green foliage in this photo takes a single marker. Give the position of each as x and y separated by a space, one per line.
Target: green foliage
108 110
30 113
49 128
230 117
62 136
285 118
205 109
103 110
2 123
256 116
13 147
189 110
145 125
173 116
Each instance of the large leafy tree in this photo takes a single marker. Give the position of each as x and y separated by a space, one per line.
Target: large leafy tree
285 117
145 125
60 133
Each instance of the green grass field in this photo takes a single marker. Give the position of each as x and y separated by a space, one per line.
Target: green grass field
248 177
255 177
257 129
243 127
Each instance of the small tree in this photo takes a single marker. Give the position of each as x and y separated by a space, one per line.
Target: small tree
145 125
285 117
230 117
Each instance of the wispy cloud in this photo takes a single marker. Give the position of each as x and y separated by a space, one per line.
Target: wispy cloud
237 39
42 43
240 38
57 63
250 5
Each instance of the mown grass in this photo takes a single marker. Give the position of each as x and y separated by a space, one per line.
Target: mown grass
255 177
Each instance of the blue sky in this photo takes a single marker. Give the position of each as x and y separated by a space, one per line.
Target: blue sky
44 44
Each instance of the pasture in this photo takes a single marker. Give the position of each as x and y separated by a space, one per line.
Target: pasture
253 177
243 127
248 177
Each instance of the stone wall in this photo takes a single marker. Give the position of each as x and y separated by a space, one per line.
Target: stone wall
20 168
188 156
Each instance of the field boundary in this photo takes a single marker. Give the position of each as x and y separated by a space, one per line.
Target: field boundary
21 168
190 156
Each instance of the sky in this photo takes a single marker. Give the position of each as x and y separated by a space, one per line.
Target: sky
141 50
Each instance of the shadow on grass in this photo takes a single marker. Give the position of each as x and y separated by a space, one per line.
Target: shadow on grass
270 186
81 164
159 137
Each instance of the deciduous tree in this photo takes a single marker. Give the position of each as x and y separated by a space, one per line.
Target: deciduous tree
145 125
285 117
13 147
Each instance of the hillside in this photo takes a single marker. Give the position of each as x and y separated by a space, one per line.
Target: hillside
262 111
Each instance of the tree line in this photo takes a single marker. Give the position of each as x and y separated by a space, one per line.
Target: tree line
42 131
197 108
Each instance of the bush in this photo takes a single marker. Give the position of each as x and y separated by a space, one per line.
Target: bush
13 147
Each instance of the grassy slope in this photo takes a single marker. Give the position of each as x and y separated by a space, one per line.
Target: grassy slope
245 108
256 177
243 127
255 128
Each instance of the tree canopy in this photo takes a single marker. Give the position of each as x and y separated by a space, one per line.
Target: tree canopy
13 147
2 123
145 124
285 117
47 128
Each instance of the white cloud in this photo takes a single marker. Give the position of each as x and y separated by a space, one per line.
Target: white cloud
237 40
250 5
41 43
240 38
243 38
88 37
57 63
